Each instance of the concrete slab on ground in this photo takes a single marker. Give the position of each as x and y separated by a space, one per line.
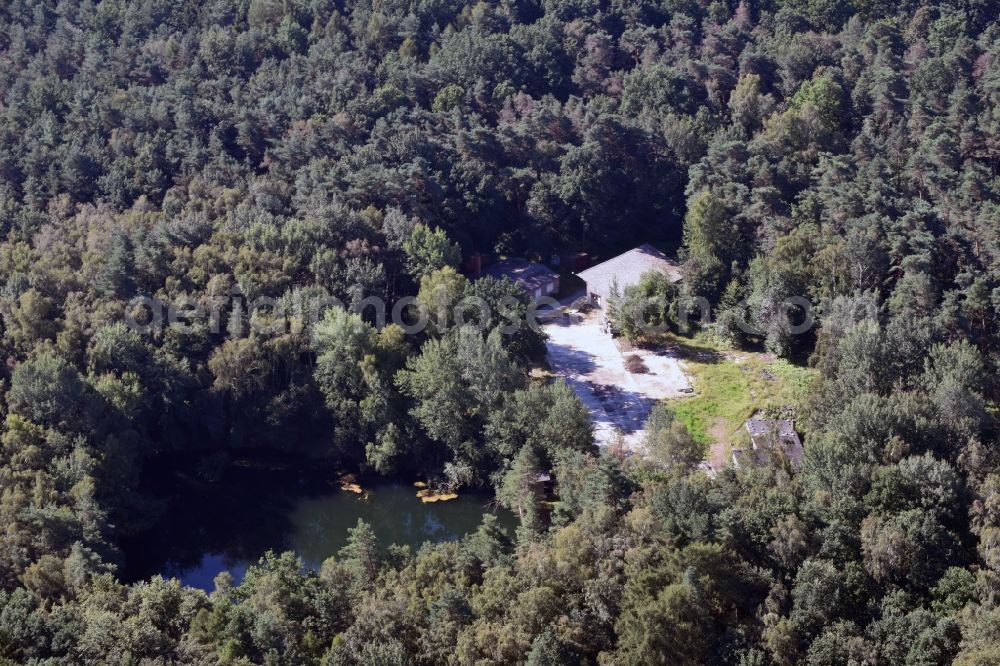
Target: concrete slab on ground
585 355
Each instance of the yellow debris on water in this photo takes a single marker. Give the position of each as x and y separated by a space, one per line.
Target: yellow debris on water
419 484
437 497
349 483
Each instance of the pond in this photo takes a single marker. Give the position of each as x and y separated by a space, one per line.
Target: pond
229 523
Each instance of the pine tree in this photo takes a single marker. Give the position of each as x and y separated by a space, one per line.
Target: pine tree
361 554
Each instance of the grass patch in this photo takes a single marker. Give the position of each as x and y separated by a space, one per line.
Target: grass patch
732 386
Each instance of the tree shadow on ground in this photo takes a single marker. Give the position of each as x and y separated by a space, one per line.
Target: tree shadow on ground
670 344
569 358
628 409
562 319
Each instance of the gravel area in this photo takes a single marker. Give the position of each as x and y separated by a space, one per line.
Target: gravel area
582 353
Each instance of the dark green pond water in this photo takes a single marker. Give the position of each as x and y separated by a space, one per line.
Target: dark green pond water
228 524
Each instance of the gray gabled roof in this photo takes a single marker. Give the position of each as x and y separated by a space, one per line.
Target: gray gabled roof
527 274
627 269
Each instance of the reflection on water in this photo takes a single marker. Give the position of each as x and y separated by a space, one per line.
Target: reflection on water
319 525
227 525
202 574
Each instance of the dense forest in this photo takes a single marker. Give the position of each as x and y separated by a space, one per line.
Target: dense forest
220 151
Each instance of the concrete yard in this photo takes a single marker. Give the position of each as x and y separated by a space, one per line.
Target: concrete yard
583 354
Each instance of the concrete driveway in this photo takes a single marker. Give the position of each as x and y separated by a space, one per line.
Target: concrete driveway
619 401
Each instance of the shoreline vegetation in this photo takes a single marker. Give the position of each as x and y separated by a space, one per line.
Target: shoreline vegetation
257 504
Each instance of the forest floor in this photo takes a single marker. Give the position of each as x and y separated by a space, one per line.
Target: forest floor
582 353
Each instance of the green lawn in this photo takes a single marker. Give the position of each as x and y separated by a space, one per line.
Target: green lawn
729 387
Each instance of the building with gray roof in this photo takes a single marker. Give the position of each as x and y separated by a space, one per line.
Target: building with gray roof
767 438
626 270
